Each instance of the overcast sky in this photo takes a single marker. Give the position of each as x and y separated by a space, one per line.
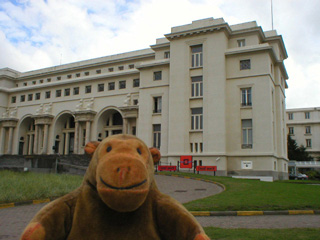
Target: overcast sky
42 33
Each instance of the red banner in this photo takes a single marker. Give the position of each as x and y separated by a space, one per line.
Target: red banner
185 161
207 168
167 168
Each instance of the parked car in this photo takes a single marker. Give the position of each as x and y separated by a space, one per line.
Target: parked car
299 176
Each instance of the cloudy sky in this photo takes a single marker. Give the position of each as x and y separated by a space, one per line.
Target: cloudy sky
42 33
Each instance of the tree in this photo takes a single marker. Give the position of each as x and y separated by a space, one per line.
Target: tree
297 153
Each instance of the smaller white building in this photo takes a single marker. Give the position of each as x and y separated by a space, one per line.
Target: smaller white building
303 125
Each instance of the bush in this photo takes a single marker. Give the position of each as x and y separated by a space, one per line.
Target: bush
313 175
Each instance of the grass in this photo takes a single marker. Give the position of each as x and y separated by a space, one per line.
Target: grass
240 194
263 234
19 187
249 195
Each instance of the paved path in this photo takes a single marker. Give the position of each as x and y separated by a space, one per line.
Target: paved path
13 220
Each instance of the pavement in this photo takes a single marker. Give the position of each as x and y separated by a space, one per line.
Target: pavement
14 219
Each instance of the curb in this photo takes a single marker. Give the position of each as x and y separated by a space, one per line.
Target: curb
16 204
239 213
253 213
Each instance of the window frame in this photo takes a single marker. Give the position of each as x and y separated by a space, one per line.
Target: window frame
197 119
157 75
246 134
197 56
245 64
246 97
156 135
157 104
197 87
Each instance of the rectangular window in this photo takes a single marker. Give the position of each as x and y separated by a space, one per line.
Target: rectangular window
157 135
67 92
307 115
41 81
157 75
308 143
78 74
120 68
196 56
58 93
246 97
88 89
101 87
48 79
290 116
37 96
136 82
241 43
196 86
166 54
22 98
245 64
157 104
122 84
75 90
59 78
13 99
69 76
246 133
291 130
131 66
98 71
48 94
87 73
110 69
25 84
196 119
111 86
34 82
30 97
308 130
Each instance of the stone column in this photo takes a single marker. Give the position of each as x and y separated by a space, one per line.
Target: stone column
125 126
30 144
10 139
76 138
88 126
45 139
35 140
66 143
2 140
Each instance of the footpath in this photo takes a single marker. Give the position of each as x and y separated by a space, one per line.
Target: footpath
14 219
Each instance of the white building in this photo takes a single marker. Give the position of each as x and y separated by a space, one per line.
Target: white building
207 89
304 126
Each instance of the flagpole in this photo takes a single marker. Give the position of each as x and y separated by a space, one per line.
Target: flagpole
271 14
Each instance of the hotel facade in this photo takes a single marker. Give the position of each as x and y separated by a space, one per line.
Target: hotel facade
208 89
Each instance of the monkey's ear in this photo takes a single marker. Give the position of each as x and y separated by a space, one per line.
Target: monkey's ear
156 156
91 147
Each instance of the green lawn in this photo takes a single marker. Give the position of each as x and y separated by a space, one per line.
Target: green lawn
263 234
240 195
19 187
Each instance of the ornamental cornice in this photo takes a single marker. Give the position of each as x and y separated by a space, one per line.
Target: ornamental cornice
9 122
42 119
130 111
84 116
197 31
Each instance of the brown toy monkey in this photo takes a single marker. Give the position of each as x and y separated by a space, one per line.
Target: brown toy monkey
117 200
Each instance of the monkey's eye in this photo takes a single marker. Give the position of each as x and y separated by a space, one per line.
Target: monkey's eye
109 149
139 151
